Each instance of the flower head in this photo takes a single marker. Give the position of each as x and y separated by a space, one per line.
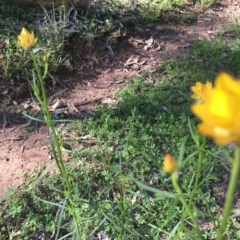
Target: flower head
26 39
170 164
220 110
200 90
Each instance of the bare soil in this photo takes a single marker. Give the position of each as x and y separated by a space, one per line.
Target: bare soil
99 70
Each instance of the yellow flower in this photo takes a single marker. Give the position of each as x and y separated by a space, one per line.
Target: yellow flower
220 110
200 90
26 39
169 164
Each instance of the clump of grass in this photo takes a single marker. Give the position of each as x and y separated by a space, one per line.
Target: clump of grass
51 42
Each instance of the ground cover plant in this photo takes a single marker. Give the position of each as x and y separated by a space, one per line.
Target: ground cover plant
118 187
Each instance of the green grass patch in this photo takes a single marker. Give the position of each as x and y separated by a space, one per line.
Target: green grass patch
121 191
113 150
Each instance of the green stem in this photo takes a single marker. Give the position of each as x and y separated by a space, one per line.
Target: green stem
55 143
230 193
47 116
122 207
199 169
174 178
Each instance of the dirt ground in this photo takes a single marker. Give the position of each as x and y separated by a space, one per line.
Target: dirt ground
102 68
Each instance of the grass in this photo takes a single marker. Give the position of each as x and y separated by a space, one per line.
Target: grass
54 27
118 156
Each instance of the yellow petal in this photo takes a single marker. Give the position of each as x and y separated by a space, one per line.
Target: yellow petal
227 83
219 110
220 104
169 164
26 39
201 111
201 91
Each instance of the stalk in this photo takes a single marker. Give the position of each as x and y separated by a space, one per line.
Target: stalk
230 193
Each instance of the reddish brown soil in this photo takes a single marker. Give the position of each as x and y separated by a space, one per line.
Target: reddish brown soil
98 73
